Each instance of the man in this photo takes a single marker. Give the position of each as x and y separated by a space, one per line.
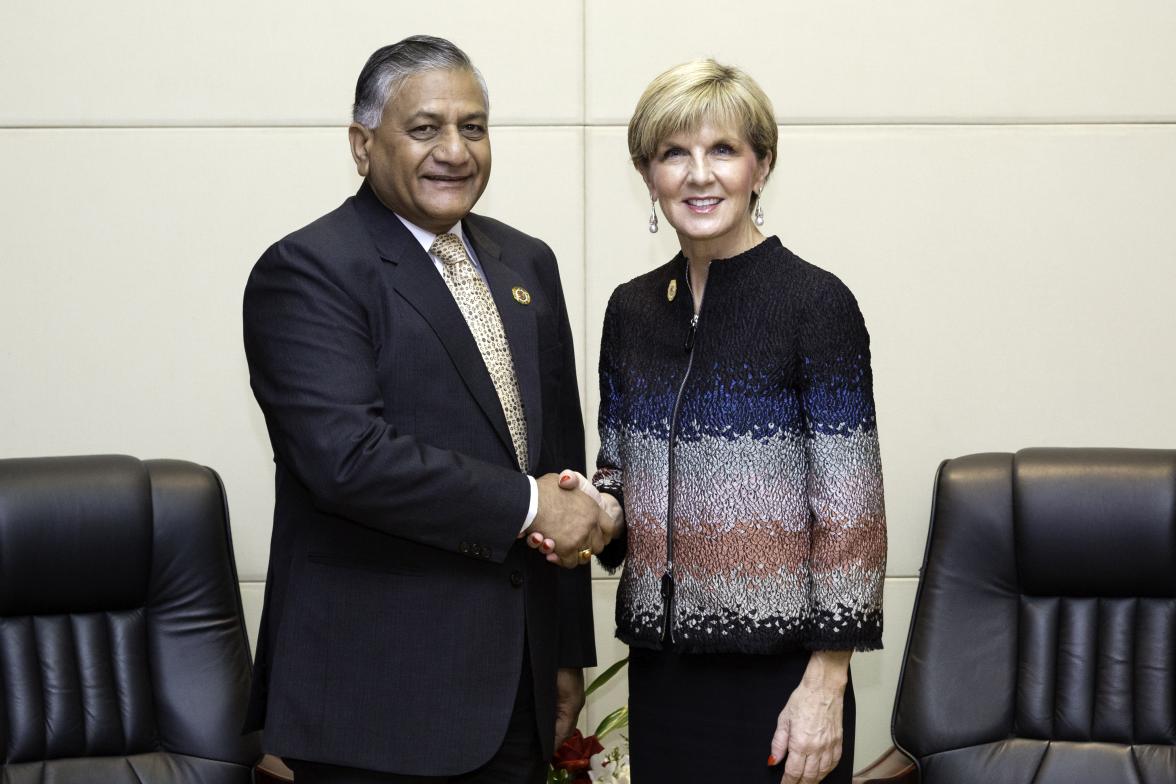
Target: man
414 362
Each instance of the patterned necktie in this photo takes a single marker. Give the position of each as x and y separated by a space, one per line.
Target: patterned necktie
481 315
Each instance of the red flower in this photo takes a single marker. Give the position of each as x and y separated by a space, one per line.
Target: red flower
574 755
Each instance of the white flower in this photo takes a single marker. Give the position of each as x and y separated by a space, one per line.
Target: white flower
599 767
609 768
621 774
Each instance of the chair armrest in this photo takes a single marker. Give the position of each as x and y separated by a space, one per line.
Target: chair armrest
271 770
893 767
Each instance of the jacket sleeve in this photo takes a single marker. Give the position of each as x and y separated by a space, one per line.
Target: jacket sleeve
312 369
610 473
844 479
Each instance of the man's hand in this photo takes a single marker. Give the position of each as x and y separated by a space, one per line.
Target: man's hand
574 480
569 699
570 520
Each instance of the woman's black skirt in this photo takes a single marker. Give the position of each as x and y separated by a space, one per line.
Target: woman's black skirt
710 717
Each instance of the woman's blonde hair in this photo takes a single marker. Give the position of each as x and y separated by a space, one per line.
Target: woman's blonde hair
690 94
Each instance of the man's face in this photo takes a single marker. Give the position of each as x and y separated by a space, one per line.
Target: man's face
430 158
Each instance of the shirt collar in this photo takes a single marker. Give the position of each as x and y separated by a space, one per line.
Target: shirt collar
426 237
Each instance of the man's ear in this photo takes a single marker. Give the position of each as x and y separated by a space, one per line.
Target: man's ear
361 139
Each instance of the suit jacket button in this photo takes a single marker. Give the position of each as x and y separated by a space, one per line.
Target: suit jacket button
516 579
464 549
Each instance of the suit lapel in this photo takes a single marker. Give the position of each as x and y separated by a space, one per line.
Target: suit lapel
419 283
518 321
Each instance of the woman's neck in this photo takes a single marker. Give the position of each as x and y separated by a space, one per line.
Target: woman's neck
700 253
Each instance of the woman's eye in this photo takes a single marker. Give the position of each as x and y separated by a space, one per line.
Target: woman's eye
724 149
672 152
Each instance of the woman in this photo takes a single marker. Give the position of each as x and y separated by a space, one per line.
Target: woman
738 437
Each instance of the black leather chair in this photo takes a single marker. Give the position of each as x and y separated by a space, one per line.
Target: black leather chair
123 653
1042 649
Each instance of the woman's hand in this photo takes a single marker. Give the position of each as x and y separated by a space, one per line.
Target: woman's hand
574 480
809 731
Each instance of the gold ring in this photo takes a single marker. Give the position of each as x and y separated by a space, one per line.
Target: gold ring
585 555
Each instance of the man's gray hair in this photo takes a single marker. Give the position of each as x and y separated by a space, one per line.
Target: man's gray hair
390 65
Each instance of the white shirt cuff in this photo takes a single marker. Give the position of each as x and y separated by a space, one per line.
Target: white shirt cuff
533 506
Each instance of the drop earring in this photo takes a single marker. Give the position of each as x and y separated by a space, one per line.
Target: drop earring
653 216
759 211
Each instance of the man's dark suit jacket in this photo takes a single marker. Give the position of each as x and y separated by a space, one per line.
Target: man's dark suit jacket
398 597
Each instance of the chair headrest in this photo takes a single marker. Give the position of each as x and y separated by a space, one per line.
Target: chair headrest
75 534
1095 522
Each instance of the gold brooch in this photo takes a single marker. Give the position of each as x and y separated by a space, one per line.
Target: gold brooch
672 290
521 295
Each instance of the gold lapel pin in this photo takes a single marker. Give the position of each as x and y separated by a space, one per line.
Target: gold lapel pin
521 295
672 290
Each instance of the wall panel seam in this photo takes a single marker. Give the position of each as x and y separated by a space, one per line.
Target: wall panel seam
999 122
606 126
589 460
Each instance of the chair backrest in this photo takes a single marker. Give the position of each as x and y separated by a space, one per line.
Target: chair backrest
1043 644
123 653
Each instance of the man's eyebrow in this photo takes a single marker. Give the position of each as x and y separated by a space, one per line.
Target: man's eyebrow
438 119
432 117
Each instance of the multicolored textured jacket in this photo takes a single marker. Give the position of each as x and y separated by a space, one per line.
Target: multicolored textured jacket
751 429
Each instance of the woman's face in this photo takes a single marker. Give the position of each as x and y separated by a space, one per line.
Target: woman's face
703 181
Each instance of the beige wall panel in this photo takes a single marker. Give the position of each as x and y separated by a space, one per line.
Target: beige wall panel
252 597
267 62
875 674
1016 281
125 253
910 61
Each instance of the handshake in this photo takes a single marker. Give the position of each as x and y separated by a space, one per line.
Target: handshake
574 520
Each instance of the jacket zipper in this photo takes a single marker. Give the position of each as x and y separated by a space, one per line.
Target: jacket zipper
667 580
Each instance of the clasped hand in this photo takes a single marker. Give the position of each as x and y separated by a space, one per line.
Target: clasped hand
573 516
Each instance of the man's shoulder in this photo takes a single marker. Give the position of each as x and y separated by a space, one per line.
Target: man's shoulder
328 242
340 225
